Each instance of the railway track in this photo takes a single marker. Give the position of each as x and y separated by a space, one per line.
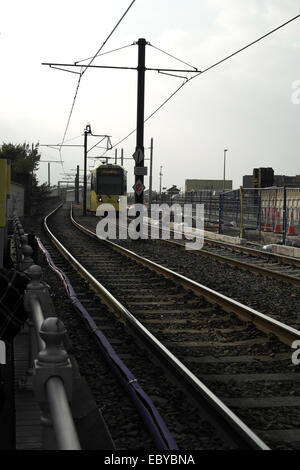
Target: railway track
127 431
275 294
274 266
249 370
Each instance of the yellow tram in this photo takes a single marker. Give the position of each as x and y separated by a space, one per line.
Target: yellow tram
108 183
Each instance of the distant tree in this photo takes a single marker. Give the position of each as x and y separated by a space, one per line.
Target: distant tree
24 162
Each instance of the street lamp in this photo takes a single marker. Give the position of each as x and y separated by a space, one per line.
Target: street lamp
225 150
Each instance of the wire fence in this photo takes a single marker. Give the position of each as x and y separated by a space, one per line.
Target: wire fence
244 212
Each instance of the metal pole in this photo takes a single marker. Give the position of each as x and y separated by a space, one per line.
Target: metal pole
220 211
122 156
225 150
242 213
284 217
116 156
150 178
139 198
160 176
77 185
48 174
87 131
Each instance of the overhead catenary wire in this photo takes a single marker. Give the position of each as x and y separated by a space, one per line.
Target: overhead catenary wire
188 79
104 53
173 57
109 36
84 70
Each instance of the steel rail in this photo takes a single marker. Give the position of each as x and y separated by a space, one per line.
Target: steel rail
150 415
248 251
230 425
246 266
285 333
241 264
285 259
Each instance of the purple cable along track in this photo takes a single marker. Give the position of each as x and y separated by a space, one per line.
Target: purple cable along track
162 437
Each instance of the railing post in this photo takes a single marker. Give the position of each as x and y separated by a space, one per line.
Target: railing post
35 290
35 273
27 252
53 388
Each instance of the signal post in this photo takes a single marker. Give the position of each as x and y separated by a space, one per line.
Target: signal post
139 169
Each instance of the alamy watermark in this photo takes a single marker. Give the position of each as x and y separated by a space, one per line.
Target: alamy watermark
162 220
295 97
2 352
296 354
154 221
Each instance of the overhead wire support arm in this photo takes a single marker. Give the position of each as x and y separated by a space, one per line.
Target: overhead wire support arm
174 70
173 57
119 67
55 65
172 75
104 53
64 70
59 145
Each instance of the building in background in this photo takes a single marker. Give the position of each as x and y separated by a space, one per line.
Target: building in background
288 181
213 185
265 178
173 190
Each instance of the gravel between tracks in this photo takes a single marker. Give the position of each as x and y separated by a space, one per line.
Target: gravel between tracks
274 298
127 432
271 297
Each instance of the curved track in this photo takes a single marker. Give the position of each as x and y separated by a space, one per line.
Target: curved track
216 346
205 412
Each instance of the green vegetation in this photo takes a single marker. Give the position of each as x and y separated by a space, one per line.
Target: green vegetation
24 162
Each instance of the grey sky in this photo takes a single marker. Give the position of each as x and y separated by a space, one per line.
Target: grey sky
244 104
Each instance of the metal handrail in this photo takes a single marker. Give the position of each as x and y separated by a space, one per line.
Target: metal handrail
63 423
49 364
37 318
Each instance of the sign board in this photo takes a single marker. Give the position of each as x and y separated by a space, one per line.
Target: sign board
138 156
138 187
140 170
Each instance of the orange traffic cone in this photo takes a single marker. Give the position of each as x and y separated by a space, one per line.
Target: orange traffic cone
277 228
262 220
292 225
267 224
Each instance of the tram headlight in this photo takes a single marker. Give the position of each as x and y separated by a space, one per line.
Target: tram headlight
119 199
100 199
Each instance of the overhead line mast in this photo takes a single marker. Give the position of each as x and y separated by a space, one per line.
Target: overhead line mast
139 169
139 179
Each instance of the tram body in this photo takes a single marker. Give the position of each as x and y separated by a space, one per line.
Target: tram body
108 183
